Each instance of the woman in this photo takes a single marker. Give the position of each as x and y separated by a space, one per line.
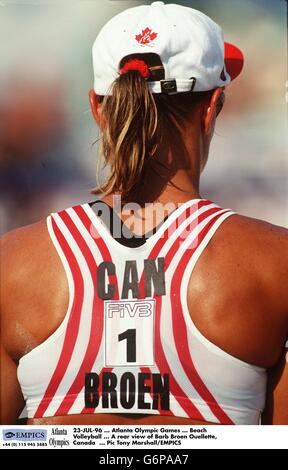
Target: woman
177 317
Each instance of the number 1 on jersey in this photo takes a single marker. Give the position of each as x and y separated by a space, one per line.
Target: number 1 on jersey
130 335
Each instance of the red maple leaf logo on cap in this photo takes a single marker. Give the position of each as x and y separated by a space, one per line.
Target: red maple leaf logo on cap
146 36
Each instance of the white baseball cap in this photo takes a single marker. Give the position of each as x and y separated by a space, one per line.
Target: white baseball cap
189 44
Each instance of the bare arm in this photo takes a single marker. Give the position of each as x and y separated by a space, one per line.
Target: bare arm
276 410
25 306
12 401
269 254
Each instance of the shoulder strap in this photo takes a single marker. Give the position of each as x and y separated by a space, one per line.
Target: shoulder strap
196 243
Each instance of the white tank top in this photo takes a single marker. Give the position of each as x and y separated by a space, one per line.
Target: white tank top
127 343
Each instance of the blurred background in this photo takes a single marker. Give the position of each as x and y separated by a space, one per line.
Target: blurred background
47 156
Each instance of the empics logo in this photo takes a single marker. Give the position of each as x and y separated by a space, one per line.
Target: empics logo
8 435
26 435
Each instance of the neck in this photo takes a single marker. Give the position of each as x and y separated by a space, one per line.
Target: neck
181 188
173 174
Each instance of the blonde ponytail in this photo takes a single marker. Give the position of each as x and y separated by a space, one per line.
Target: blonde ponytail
130 135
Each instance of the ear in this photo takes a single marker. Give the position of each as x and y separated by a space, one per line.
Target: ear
95 106
210 115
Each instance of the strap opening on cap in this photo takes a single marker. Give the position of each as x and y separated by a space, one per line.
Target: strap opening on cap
153 61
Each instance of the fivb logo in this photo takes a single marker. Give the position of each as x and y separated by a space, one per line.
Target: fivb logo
129 308
129 332
26 435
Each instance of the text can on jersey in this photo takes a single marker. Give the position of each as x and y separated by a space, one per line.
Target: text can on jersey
129 332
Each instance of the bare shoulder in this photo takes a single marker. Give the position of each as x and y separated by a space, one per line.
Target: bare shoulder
259 251
252 255
31 273
24 253
245 270
258 237
251 227
23 245
276 410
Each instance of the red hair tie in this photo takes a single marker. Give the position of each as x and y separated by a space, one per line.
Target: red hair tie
136 64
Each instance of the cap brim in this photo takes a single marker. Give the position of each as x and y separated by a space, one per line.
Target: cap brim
233 59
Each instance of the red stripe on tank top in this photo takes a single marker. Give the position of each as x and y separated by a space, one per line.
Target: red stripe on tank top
189 211
106 256
72 325
183 399
161 361
155 252
180 329
96 327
